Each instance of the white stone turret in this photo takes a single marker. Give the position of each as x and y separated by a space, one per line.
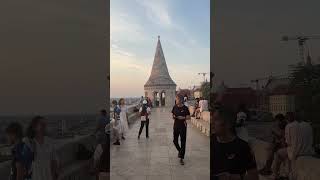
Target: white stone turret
160 88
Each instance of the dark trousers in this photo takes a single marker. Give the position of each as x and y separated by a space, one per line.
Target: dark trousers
182 132
147 127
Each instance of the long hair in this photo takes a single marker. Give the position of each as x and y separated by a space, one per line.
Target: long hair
120 100
31 133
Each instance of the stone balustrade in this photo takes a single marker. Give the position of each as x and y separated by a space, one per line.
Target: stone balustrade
203 124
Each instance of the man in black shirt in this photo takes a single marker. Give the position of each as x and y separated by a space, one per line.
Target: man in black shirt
180 114
232 157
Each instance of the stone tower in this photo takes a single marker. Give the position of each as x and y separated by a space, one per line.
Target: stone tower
160 88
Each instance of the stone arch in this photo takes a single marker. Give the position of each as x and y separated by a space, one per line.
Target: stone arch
156 98
163 98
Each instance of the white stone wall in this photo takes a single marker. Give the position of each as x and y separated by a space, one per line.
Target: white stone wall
170 93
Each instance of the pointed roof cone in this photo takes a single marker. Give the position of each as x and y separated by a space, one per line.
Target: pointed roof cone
159 73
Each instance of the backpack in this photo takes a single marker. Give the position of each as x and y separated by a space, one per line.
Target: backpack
144 111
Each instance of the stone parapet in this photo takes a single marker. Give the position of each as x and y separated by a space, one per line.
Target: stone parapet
71 168
202 124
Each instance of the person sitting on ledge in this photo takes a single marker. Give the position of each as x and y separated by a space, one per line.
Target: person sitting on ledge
196 111
290 151
278 142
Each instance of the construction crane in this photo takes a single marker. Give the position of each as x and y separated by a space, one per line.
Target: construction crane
204 76
301 44
256 81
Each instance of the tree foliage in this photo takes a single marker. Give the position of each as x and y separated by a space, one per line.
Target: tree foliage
205 90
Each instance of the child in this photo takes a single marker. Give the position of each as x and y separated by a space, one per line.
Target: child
22 155
144 112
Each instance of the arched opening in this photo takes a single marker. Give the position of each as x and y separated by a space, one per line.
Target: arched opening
156 99
163 98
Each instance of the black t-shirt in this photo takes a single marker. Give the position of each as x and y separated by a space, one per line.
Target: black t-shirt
180 111
234 157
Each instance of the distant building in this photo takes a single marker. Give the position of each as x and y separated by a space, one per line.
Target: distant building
263 96
282 100
233 97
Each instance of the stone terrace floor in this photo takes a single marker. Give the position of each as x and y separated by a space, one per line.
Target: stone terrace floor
156 158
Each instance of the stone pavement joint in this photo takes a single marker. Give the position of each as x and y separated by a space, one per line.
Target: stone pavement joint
156 157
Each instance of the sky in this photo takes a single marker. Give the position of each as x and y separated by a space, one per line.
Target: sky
53 56
184 30
247 36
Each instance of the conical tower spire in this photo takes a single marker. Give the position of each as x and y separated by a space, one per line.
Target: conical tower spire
159 73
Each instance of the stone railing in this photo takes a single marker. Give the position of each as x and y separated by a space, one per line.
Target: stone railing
71 168
203 124
305 168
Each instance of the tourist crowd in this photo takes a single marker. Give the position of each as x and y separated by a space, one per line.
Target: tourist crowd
34 154
233 158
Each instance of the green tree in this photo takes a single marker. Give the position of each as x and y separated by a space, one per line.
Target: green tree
205 90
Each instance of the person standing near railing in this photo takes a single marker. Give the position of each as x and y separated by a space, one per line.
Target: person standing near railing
45 163
117 124
123 118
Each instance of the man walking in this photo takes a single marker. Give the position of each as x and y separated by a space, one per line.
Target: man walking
180 114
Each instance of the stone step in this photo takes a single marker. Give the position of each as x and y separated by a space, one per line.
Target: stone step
202 125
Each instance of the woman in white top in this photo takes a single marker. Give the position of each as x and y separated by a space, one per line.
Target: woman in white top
144 112
45 163
123 118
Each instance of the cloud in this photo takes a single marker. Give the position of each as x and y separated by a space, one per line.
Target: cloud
157 11
122 60
125 29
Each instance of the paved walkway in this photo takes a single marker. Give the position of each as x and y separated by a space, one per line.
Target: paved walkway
156 158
